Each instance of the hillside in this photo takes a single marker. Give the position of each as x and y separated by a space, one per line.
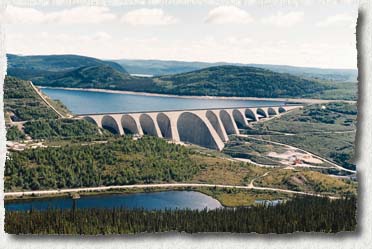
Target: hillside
226 80
323 74
85 77
22 103
238 81
32 67
214 81
165 67
103 77
162 67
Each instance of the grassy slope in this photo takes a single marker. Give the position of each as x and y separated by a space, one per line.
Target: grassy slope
340 91
313 129
307 181
253 150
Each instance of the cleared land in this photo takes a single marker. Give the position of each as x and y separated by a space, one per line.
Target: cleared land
327 130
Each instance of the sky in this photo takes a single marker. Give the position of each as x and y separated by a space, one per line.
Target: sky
299 35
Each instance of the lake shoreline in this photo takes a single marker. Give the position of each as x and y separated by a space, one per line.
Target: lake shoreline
288 100
98 194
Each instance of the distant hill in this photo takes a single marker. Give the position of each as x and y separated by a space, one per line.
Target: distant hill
164 67
84 77
34 66
238 81
221 80
102 76
326 74
213 81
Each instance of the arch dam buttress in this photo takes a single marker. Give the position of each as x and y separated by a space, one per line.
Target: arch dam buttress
204 127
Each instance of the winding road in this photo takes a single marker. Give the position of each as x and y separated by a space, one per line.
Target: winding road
162 185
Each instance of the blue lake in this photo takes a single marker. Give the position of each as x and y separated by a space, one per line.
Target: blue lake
149 201
80 102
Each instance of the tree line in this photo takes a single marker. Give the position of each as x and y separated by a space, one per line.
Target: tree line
307 214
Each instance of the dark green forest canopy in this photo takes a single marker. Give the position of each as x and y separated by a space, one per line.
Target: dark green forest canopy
13 134
23 103
38 65
239 81
307 214
120 161
60 128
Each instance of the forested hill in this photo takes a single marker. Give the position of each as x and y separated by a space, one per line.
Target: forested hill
35 66
225 80
85 77
238 81
165 67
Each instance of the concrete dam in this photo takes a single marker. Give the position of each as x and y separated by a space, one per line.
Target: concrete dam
208 128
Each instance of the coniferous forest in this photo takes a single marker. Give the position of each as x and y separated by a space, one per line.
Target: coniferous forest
308 214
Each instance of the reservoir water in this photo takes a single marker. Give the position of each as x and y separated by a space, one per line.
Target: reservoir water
81 102
149 201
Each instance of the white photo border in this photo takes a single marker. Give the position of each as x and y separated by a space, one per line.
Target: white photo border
359 240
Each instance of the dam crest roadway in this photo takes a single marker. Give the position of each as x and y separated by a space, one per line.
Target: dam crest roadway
204 127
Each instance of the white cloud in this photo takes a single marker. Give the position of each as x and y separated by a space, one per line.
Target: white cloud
84 14
13 14
340 19
285 19
101 36
148 17
309 45
61 43
228 14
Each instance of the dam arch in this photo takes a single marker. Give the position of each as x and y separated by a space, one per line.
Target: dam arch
239 119
227 122
110 124
191 128
282 109
90 120
164 124
249 113
271 111
262 113
148 125
129 125
213 119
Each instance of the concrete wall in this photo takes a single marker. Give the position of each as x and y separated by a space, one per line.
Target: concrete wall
207 128
194 129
